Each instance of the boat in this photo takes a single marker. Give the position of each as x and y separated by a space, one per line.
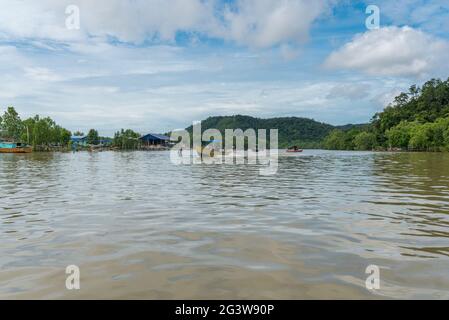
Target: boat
209 151
294 149
13 147
206 152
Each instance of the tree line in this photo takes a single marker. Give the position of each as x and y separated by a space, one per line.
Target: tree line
42 133
305 132
36 131
126 140
417 120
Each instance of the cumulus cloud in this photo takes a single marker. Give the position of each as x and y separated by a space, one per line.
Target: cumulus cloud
256 23
263 23
147 81
25 20
125 20
392 51
160 88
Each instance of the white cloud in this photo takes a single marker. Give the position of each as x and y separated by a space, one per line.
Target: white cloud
137 21
264 23
83 80
44 19
132 21
158 88
257 23
393 51
41 74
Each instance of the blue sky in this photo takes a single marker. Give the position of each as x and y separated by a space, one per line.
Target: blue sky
158 65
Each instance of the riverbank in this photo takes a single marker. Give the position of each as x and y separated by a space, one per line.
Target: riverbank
94 148
155 148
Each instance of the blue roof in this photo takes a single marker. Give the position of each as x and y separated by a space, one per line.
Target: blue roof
154 136
77 138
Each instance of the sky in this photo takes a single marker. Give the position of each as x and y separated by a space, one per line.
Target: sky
159 65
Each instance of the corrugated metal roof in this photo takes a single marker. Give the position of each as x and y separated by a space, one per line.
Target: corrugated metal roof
77 138
154 136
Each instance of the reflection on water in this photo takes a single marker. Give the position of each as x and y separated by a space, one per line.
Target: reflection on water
140 227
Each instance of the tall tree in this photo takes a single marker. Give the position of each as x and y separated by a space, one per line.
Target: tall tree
126 139
92 136
12 124
365 141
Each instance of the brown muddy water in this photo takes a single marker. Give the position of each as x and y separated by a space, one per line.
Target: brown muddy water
140 227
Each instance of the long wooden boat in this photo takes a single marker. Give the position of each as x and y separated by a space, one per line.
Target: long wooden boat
294 149
12 147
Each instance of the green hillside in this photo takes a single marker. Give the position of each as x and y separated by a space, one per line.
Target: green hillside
417 120
303 132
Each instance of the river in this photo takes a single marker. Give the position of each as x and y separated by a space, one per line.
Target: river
138 226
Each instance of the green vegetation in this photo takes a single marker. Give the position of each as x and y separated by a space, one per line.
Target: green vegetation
339 140
92 137
11 124
126 140
365 141
41 133
417 120
429 136
45 134
303 132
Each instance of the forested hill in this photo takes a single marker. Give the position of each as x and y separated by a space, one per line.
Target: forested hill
417 120
304 132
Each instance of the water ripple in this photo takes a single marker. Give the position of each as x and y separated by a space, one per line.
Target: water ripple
317 223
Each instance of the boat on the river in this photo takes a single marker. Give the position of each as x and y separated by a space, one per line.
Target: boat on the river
207 152
14 147
213 149
294 149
